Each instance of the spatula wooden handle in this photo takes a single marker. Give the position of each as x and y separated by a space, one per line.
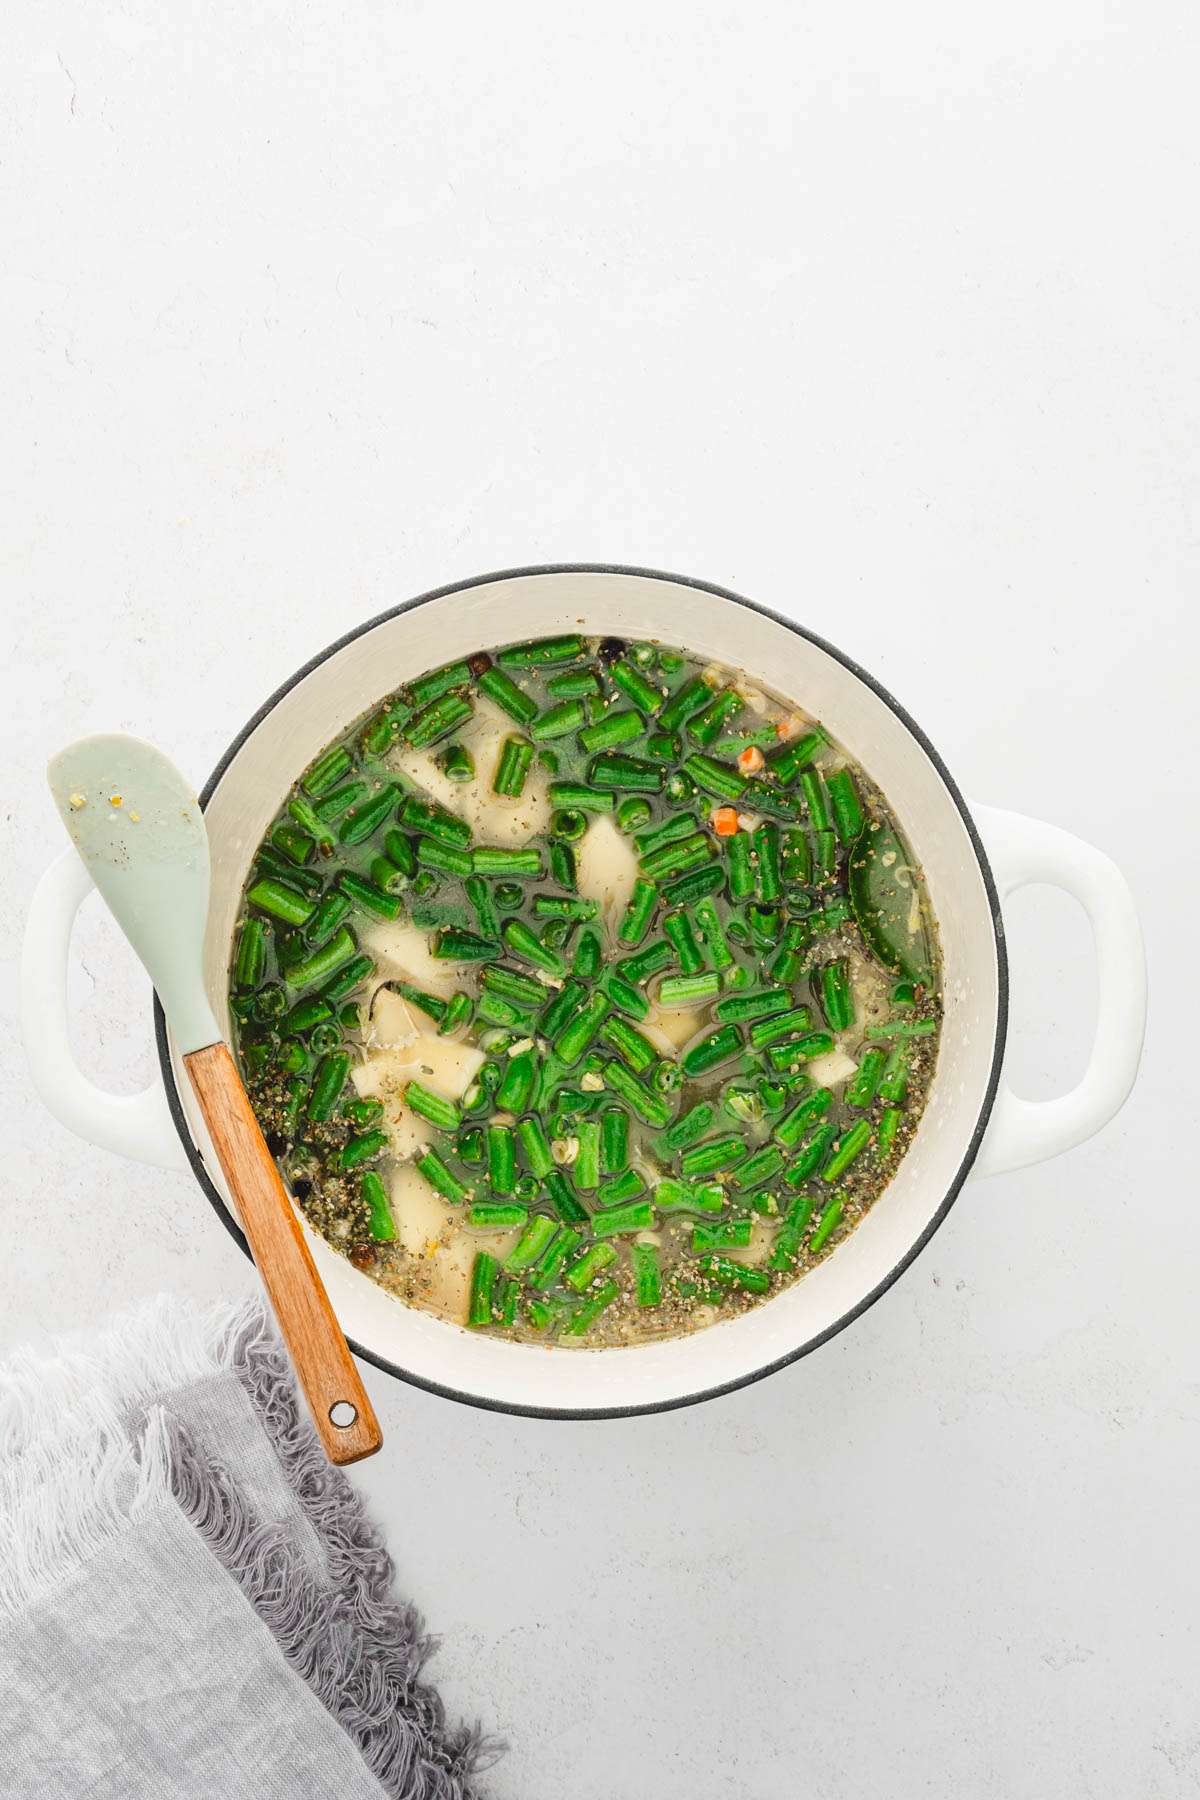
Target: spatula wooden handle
324 1367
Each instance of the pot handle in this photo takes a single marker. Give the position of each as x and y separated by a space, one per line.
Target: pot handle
135 1125
1025 851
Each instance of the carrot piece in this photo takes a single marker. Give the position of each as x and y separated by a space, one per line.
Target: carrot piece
725 821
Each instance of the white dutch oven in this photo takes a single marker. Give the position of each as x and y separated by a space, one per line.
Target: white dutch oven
971 861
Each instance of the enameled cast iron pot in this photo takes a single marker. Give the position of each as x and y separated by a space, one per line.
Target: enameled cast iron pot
972 860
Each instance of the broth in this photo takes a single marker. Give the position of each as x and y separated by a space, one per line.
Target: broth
585 993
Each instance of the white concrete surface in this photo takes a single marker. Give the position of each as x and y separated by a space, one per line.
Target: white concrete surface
882 315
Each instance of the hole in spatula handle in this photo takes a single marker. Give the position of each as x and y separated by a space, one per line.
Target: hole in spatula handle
343 1414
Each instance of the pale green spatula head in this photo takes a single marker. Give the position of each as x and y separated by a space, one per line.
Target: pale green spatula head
138 827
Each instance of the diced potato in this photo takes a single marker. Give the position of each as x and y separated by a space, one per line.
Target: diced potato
607 869
831 1069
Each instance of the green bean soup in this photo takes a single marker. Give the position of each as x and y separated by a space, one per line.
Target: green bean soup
585 993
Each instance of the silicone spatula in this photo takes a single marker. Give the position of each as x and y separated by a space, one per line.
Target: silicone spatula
139 829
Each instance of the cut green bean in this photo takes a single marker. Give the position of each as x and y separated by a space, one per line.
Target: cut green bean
711 1051
452 944
850 1145
689 990
783 1025
586 1167
790 1236
620 1188
865 1085
514 1091
639 911
432 855
678 929
379 1213
633 1049
323 962
633 813
770 873
597 1302
362 1149
501 1158
441 1176
787 1058
735 1274
492 1215
714 1156
704 726
512 767
827 1224
523 942
575 795
625 774
563 1198
558 721
635 687
792 1127
348 977
251 957
652 1108
535 1146
757 1170
521 863
614 1141
523 990
327 771
437 721
619 726
511 699
335 805
690 1127
647 1275
440 1112
366 897
638 1215
685 702
890 1120
786 763
837 1002
541 653
741 865
457 763
559 906
362 821
905 1028
589 956
484 1272
671 1196
590 1263
893 1082
280 901
573 684
711 933
722 780
310 822
845 805
650 960
729 1234
759 1003
328 1082
532 1244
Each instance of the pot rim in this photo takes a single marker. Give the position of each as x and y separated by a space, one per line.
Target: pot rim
486 1402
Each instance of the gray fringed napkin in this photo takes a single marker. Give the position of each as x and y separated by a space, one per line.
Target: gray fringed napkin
192 1600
